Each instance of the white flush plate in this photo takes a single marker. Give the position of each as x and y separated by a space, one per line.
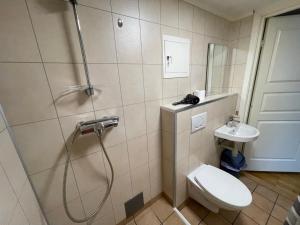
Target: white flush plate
199 121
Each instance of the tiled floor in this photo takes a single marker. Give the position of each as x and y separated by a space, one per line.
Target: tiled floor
268 208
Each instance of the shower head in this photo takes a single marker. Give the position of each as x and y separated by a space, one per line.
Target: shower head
98 126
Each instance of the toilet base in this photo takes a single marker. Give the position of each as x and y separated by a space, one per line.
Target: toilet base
198 197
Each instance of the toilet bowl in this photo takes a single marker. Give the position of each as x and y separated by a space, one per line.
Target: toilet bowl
214 189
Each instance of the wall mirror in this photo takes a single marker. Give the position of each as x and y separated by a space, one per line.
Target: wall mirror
218 69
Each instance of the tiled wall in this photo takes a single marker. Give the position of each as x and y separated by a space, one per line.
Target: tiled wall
184 151
18 204
40 58
239 37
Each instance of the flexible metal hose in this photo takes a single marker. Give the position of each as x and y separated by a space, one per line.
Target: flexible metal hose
108 190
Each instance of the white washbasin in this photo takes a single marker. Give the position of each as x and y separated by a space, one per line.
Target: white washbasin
240 133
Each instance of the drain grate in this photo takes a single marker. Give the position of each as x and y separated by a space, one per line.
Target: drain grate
134 204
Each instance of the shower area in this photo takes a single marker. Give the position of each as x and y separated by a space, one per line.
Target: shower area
62 109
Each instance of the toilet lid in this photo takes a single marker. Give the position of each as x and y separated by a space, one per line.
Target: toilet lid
223 187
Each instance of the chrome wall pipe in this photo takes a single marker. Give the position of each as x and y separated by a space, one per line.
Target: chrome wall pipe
89 90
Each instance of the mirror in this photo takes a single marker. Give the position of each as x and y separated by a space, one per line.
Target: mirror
218 69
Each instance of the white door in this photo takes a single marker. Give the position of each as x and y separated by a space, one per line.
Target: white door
275 107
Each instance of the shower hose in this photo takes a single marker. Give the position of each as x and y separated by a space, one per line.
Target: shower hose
108 190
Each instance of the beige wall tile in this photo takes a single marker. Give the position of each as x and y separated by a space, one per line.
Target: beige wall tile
105 79
106 219
90 202
151 43
141 181
153 116
38 149
55 29
117 134
170 88
48 184
185 16
242 50
135 120
90 172
152 82
99 4
184 86
18 217
169 12
128 41
126 7
198 77
17 41
199 20
121 195
58 215
131 78
155 177
11 163
198 49
24 93
30 206
98 35
150 10
8 197
119 157
138 152
73 74
2 122
154 146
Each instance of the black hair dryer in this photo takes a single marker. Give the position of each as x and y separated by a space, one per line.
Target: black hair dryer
189 99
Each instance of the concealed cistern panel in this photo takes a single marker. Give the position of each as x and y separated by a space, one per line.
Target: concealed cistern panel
199 121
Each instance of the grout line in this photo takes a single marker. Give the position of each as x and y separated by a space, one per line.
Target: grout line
123 111
145 107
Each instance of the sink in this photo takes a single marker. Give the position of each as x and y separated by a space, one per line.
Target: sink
240 133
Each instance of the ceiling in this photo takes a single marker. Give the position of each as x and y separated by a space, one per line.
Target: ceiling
231 9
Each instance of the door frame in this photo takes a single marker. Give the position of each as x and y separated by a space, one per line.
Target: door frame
259 21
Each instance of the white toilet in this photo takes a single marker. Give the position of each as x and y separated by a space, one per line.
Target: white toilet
215 189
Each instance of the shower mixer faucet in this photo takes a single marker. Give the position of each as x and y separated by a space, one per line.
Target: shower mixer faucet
97 126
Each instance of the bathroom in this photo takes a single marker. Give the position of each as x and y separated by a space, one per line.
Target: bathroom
87 121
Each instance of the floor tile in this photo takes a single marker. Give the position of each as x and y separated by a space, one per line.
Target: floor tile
279 213
173 220
262 202
256 214
194 212
131 223
229 215
273 221
215 219
266 192
249 183
284 202
147 217
162 208
244 220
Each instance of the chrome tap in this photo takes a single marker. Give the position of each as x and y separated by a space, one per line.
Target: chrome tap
234 121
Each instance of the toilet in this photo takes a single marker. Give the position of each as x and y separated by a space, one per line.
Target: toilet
214 189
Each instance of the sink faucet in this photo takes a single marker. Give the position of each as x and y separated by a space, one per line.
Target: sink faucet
234 120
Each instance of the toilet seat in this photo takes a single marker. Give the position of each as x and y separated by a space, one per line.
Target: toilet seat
221 187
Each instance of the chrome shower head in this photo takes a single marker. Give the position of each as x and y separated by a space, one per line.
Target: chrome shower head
98 126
